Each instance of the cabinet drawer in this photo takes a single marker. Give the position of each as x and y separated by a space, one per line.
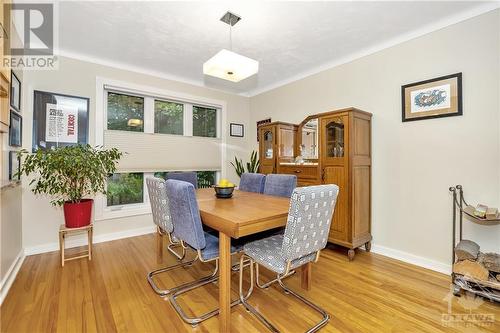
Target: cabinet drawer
301 182
300 171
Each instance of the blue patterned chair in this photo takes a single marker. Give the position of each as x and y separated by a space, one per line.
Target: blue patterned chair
188 229
161 217
252 182
306 234
190 177
280 185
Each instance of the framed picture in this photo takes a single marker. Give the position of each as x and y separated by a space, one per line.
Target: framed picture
236 130
15 92
14 164
15 129
59 120
435 98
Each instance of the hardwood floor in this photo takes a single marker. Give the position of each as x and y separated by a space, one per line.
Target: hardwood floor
110 294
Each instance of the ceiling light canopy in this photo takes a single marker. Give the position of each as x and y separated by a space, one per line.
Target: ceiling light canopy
228 65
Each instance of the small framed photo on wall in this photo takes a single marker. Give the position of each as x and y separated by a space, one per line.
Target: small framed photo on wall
15 129
15 92
435 98
237 130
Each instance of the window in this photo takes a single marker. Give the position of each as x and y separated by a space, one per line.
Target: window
204 121
125 189
125 112
169 117
205 178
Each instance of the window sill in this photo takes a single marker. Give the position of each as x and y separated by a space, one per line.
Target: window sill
109 214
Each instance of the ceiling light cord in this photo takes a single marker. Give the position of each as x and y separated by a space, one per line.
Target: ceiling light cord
230 37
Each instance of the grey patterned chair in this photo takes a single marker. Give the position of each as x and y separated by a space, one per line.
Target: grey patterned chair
188 229
306 234
280 185
190 177
252 182
161 217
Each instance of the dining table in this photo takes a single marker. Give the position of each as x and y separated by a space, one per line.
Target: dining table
244 214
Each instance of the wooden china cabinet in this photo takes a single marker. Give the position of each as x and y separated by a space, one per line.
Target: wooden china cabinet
332 148
277 144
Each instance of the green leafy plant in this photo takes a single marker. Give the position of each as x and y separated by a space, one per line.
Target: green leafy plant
252 166
68 174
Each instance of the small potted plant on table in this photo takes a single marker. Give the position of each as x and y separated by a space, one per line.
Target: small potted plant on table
71 175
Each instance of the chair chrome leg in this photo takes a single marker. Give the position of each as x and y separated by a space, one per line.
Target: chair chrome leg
164 292
199 283
326 316
267 284
243 297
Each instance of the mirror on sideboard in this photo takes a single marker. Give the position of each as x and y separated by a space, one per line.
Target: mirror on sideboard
309 140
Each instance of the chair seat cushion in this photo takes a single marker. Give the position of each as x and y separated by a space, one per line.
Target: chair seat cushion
211 250
267 252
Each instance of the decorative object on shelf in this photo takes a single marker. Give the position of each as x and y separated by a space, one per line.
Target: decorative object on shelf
435 98
14 164
15 129
252 166
15 92
480 211
228 65
59 120
491 213
473 271
69 174
260 123
237 130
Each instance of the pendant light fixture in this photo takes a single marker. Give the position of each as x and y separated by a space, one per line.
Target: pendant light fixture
228 65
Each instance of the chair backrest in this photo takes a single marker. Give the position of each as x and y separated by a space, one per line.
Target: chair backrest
309 219
159 203
280 185
190 177
185 213
252 182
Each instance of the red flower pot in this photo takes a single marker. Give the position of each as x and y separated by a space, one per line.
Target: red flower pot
78 215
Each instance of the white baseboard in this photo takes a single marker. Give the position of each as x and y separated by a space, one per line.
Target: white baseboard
11 275
49 247
412 259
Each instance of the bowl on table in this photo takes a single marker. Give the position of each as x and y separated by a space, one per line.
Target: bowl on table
223 192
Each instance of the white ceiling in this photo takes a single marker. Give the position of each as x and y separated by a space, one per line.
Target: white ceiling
289 39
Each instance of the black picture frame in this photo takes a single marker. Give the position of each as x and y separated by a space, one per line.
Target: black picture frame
236 130
455 106
15 129
40 101
15 92
14 165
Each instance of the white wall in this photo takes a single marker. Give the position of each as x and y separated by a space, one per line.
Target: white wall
75 77
414 163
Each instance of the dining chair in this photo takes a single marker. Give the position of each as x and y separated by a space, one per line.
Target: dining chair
190 177
306 234
164 227
189 230
280 185
252 182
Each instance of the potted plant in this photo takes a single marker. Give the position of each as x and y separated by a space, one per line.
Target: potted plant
70 175
252 166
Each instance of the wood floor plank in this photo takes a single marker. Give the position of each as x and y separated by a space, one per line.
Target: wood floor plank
110 294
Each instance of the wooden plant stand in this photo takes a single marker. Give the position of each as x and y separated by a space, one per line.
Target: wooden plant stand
64 231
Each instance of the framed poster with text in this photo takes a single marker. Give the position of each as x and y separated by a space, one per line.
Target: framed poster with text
59 120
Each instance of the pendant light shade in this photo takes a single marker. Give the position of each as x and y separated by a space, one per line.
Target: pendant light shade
230 66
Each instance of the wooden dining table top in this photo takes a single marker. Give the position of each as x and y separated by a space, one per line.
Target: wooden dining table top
243 214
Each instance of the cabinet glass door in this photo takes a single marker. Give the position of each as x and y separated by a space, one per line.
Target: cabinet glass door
286 146
268 144
334 132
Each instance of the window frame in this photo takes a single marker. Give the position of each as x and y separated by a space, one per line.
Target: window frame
105 85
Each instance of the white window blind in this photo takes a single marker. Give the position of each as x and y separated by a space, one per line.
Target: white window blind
152 152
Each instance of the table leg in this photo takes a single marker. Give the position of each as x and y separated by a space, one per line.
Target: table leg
305 278
224 283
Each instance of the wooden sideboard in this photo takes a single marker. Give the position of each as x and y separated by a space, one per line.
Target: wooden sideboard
332 148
